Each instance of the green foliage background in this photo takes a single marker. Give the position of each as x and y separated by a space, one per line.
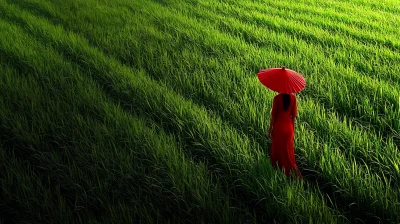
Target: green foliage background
150 111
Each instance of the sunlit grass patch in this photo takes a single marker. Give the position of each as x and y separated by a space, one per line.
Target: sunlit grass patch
151 110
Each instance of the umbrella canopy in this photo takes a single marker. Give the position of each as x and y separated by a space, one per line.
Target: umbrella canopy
282 80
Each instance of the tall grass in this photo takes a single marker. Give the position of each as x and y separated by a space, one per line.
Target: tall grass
129 170
171 88
237 158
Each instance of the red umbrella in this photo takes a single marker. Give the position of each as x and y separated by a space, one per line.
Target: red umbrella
282 80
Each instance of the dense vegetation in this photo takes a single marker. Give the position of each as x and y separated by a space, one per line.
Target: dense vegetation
151 111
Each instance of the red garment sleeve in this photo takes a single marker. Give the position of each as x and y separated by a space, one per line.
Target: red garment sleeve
274 107
294 110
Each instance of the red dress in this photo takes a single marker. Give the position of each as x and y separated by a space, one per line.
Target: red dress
282 147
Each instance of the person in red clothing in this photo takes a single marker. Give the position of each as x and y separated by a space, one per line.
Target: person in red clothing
281 129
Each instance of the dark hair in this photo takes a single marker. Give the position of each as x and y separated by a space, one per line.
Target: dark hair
286 101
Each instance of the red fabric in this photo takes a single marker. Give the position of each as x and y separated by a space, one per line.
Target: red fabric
282 148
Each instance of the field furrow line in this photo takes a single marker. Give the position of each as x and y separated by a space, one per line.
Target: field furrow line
353 169
334 43
326 167
209 66
246 11
137 142
375 23
375 89
356 7
258 134
230 148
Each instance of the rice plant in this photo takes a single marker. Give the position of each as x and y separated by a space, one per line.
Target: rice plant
151 111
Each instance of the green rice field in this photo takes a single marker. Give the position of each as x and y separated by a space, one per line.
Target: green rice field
150 111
